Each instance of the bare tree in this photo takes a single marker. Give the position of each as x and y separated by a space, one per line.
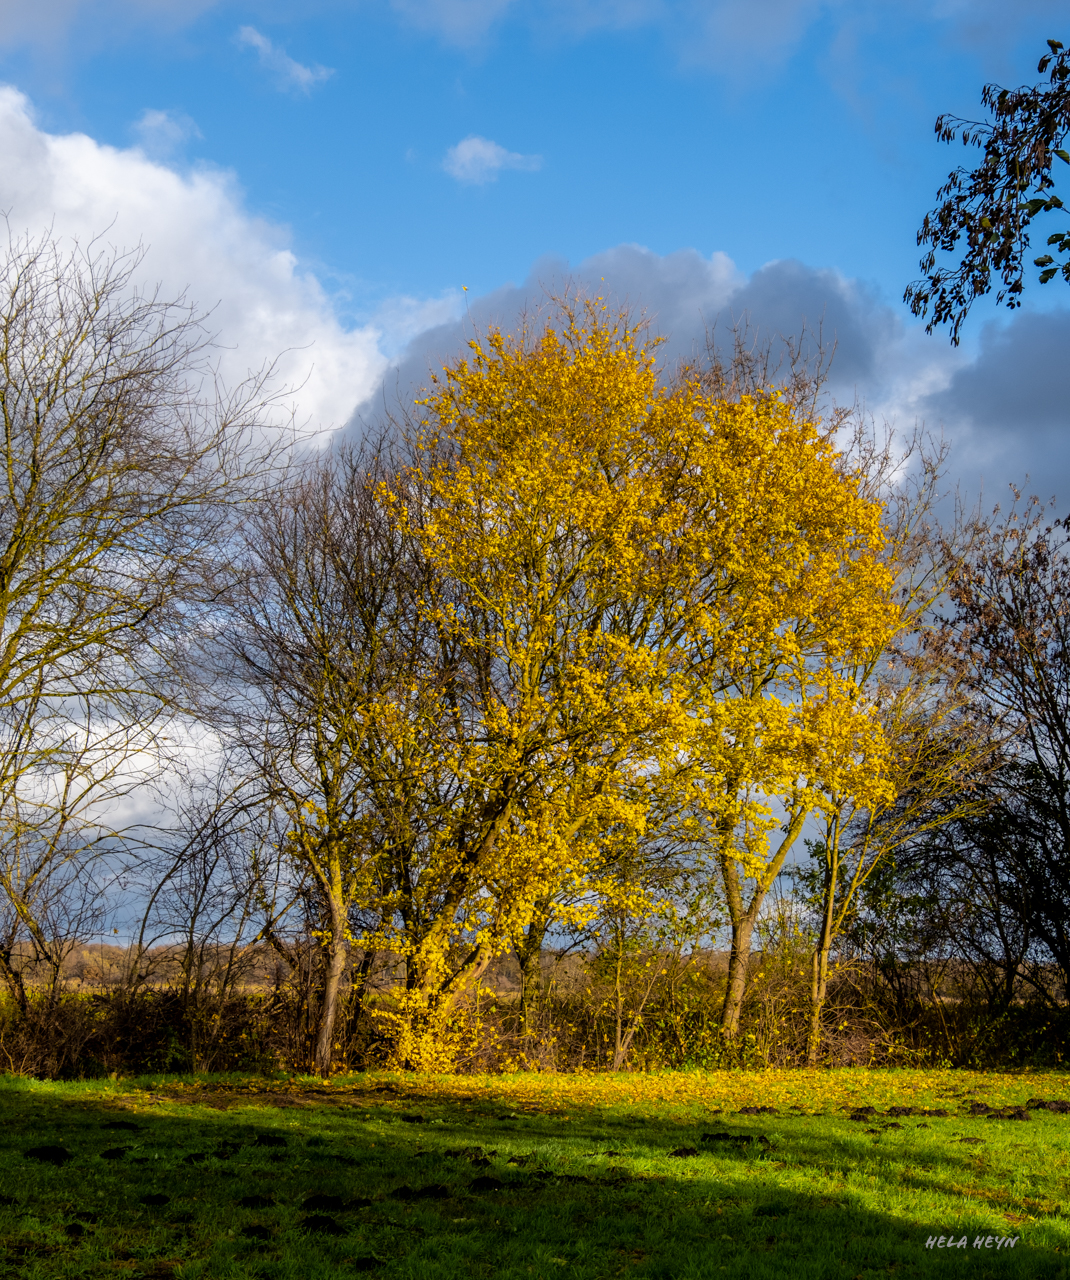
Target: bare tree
1012 625
206 887
324 683
937 753
121 459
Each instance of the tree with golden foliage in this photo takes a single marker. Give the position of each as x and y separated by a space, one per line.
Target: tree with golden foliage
650 586
777 720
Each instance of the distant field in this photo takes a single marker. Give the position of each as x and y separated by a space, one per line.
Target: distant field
551 1177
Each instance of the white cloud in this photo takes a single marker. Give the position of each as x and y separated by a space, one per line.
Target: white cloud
460 22
477 160
288 73
49 23
161 133
737 37
199 237
403 319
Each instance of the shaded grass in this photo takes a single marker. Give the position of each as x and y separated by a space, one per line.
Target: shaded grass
454 1178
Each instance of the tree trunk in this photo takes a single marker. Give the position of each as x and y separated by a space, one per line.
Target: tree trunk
820 974
738 965
337 954
743 919
529 956
13 978
363 975
619 1049
818 991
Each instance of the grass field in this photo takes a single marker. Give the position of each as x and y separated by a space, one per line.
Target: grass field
552 1177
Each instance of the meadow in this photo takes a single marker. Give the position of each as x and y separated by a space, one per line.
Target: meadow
835 1173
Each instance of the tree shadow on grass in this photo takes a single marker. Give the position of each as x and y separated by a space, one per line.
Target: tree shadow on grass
453 1192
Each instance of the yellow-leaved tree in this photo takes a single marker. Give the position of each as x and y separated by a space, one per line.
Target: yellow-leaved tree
779 720
643 586
538 461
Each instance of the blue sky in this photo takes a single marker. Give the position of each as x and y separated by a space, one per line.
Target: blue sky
330 176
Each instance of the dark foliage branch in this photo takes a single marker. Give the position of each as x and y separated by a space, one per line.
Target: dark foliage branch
992 206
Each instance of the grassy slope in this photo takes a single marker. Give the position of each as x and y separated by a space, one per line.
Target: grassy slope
596 1193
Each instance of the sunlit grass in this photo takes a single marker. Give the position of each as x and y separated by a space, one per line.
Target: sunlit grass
533 1176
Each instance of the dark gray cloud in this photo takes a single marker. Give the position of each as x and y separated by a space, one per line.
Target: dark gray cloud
679 294
1007 411
847 319
1017 383
687 299
1004 409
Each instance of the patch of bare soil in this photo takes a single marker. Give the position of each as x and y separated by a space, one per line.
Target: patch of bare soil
287 1095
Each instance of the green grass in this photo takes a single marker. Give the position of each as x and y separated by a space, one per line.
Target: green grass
593 1190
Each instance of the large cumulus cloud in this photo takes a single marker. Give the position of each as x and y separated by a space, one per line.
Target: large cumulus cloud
200 238
1002 405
